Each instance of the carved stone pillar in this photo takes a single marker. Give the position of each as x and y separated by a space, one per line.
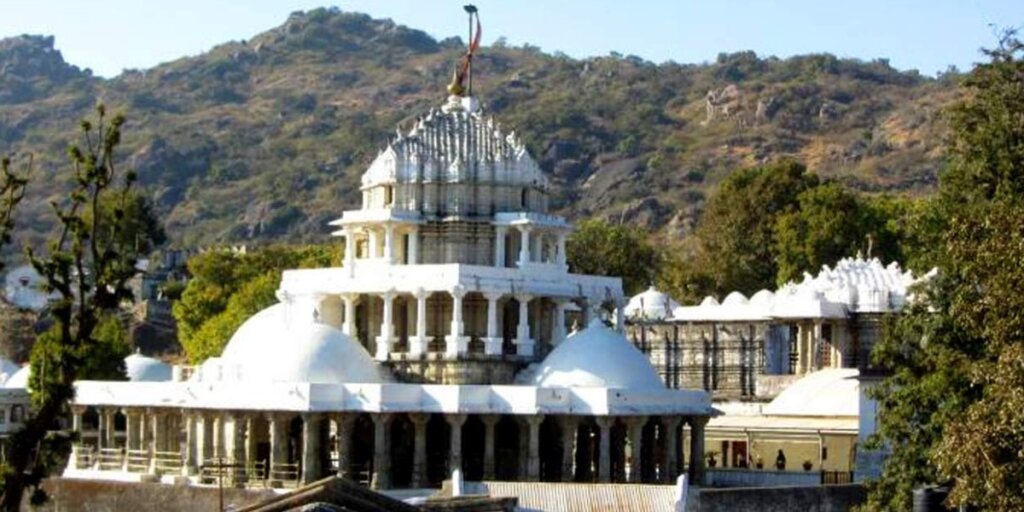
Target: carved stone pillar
76 427
310 447
524 246
418 343
387 327
389 243
456 342
524 344
604 466
350 249
414 246
499 245
278 446
697 424
381 478
569 425
351 299
560 256
455 422
670 468
490 421
533 450
493 342
189 458
419 457
346 424
558 327
636 435
156 439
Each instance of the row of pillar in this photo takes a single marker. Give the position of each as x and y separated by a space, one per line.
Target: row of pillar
456 342
210 438
529 248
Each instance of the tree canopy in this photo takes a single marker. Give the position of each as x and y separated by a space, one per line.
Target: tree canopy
227 287
952 408
601 248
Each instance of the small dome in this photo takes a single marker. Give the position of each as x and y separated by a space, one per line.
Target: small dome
597 357
709 301
279 345
146 369
735 299
650 305
20 378
829 392
762 298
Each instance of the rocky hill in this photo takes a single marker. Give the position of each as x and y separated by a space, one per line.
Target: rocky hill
265 139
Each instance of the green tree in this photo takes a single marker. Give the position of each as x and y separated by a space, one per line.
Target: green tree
735 240
832 222
87 266
951 410
253 296
600 248
217 276
12 190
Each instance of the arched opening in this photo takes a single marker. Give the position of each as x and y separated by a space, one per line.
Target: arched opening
473 448
506 449
509 323
403 437
438 442
550 450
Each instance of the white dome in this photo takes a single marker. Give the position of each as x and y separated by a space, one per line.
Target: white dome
709 301
146 369
20 378
7 369
829 392
735 299
597 357
650 305
279 345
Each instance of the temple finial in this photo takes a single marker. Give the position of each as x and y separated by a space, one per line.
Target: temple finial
464 70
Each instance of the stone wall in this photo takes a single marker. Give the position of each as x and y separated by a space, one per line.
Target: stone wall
69 495
824 498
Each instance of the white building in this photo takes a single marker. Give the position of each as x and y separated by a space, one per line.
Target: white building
783 365
439 343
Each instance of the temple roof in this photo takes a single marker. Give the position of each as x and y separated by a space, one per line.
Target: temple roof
456 143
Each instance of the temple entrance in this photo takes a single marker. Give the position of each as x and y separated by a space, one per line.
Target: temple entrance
617 444
587 439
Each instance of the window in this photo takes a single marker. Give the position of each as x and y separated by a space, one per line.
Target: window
3 416
523 197
389 196
17 414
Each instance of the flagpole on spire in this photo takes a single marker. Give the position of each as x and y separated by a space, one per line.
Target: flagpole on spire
471 10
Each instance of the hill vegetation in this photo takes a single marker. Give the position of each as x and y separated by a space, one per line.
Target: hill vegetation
265 139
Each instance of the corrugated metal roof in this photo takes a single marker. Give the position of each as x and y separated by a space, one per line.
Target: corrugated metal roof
576 497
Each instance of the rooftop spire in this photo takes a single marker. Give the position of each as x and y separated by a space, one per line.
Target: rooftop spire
464 69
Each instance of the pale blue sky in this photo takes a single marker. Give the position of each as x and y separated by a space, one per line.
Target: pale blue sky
111 35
